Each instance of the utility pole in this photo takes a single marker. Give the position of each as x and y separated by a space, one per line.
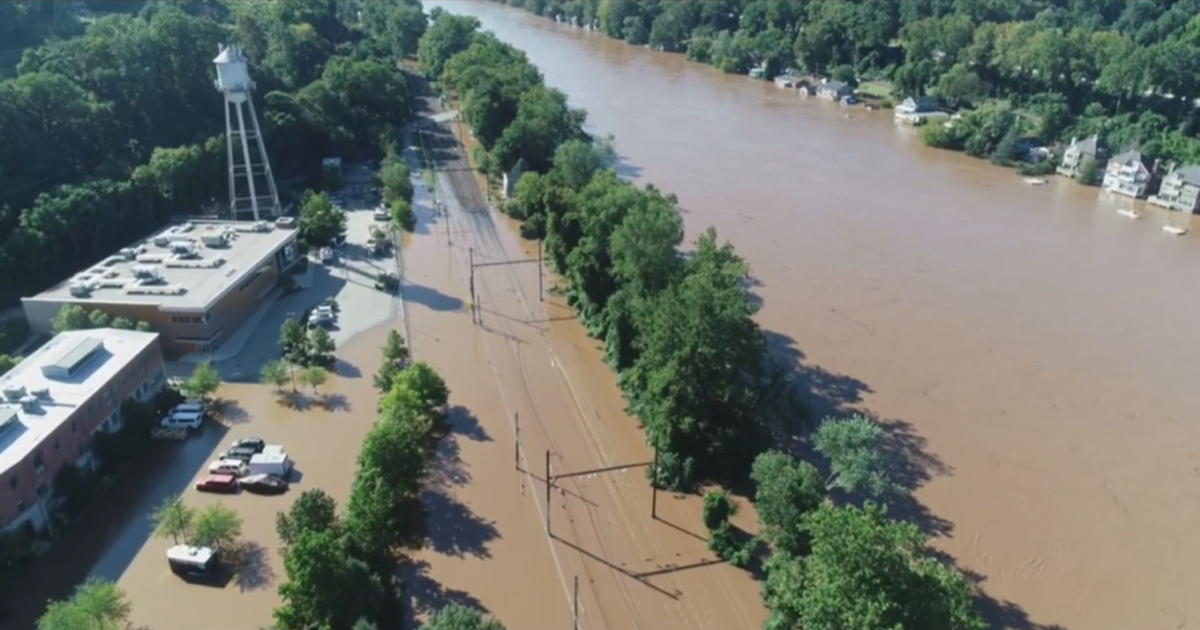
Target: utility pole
541 292
575 605
472 283
654 487
548 491
517 440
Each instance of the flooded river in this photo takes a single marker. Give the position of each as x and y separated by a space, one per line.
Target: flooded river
1030 348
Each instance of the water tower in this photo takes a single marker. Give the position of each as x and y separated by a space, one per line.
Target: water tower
251 185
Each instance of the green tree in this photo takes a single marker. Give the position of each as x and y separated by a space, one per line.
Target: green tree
1090 173
446 35
960 86
70 317
99 319
276 373
418 388
97 604
203 381
216 526
395 179
144 327
787 489
326 587
173 519
395 356
320 347
7 363
314 376
313 511
865 571
460 617
122 323
402 215
320 221
854 448
294 342
718 509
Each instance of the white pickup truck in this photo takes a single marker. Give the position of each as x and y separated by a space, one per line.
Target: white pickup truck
189 420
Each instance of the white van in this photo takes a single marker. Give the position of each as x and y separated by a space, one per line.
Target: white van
183 420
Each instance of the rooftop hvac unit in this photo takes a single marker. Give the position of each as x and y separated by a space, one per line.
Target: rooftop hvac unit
185 227
13 393
42 393
112 260
213 240
146 272
151 258
128 253
30 404
80 289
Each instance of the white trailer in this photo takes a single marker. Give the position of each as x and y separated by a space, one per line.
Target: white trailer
272 461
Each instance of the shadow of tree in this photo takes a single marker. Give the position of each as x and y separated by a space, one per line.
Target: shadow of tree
335 402
425 594
454 529
345 369
253 569
461 421
229 412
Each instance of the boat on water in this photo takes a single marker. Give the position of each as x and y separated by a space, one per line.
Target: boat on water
1034 181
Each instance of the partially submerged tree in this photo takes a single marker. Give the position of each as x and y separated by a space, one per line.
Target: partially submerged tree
276 373
460 617
216 526
854 448
203 381
172 519
787 489
313 511
865 571
97 604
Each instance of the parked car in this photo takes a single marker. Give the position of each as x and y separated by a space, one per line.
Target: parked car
264 483
381 214
327 256
192 562
243 453
183 420
255 443
190 406
235 467
218 483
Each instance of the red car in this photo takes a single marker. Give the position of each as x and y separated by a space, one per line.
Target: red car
217 483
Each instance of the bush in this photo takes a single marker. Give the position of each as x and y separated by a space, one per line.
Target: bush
717 509
724 541
402 215
1090 173
1044 167
387 281
887 103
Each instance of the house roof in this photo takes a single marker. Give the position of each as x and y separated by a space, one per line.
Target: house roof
834 85
1088 144
1132 155
923 102
1189 174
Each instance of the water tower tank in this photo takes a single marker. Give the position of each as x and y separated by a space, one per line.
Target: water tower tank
232 75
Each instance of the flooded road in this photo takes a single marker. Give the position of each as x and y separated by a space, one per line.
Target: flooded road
1031 349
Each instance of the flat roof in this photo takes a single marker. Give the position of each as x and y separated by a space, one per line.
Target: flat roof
186 266
60 396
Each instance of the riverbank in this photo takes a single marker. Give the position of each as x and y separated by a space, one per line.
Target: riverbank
1010 335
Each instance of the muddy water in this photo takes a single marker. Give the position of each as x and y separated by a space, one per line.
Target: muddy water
1031 348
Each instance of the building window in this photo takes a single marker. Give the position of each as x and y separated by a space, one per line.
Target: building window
74 426
39 466
57 444
20 506
43 491
13 481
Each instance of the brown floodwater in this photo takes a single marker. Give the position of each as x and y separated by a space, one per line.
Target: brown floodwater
1030 348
